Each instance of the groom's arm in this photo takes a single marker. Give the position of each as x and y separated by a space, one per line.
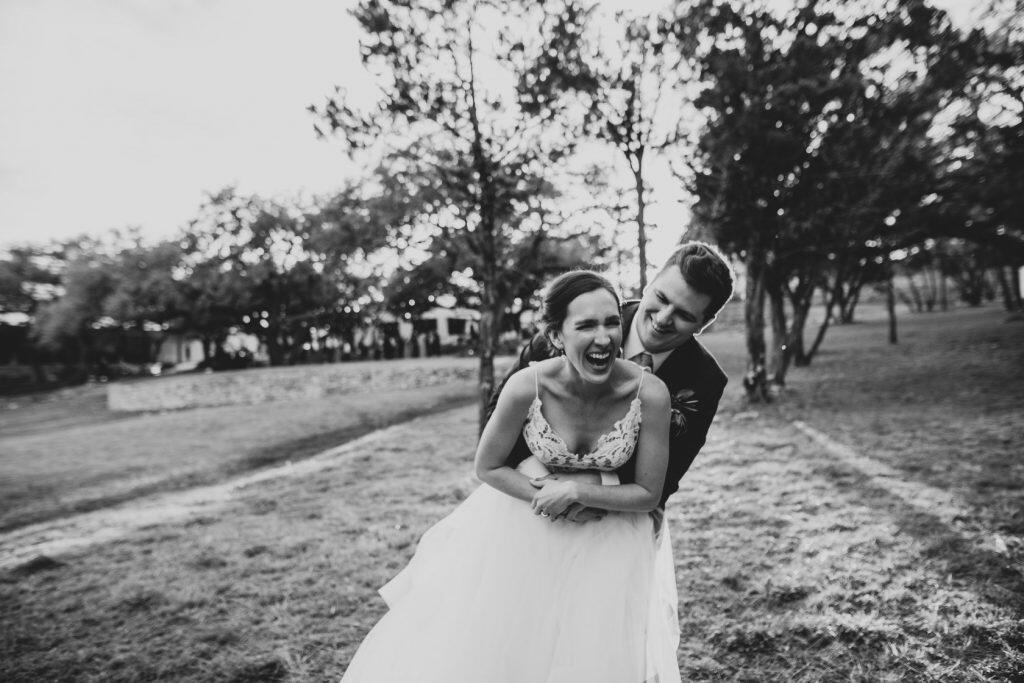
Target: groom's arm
691 421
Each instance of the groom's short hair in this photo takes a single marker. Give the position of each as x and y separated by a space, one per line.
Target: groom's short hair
706 270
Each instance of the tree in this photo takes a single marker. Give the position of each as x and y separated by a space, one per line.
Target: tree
250 267
815 149
628 78
980 165
29 278
465 167
147 283
87 281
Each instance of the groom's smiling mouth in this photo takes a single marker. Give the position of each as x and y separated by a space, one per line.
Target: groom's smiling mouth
659 329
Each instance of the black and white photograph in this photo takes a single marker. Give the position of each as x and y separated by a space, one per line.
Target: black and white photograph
501 341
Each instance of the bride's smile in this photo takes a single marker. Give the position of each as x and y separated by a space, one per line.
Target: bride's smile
590 335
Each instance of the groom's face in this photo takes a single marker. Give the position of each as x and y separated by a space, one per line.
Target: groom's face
670 312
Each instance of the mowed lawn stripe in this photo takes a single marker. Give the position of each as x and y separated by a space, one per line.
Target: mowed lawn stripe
948 508
792 567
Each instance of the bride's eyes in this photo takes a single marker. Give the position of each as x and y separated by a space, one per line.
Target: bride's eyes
589 324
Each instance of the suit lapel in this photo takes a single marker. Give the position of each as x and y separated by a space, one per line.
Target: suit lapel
673 371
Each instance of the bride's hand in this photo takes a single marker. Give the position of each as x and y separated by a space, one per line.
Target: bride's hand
553 497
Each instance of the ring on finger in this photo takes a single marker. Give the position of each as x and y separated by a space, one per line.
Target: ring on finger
545 513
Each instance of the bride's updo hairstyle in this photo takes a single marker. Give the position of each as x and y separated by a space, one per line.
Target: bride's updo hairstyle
561 291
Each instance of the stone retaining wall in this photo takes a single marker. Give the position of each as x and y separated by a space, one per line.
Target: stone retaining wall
260 385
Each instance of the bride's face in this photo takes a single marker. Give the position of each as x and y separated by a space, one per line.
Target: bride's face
591 334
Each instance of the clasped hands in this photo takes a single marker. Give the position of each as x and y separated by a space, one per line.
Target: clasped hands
558 499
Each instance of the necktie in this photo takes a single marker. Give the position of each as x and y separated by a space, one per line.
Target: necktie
644 360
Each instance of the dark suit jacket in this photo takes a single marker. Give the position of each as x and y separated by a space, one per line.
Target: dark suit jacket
694 380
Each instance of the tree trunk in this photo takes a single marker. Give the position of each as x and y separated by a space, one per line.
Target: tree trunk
1015 287
641 226
275 351
933 289
943 288
1004 287
755 380
890 304
821 329
839 297
491 314
795 346
777 356
853 296
915 294
846 293
754 309
37 365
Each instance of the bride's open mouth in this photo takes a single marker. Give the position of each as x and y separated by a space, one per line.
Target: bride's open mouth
599 360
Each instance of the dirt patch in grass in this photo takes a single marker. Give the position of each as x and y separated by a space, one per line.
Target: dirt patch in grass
791 564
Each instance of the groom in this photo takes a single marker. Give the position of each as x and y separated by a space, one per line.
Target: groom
658 332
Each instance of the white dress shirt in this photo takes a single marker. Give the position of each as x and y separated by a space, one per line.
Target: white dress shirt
633 346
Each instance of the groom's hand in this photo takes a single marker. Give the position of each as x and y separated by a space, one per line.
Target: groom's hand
581 514
553 497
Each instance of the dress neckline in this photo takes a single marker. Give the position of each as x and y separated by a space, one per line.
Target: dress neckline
535 409
634 405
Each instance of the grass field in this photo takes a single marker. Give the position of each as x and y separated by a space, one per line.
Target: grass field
901 561
72 454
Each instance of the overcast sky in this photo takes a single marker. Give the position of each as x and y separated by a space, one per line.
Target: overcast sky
116 113
123 112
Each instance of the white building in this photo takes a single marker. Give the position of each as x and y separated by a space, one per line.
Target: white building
452 324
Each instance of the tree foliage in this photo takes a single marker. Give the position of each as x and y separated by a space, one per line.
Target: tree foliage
626 75
818 157
466 168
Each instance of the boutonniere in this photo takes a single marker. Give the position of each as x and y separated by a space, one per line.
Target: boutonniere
684 404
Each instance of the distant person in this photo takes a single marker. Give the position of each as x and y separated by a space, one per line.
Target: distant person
503 590
683 299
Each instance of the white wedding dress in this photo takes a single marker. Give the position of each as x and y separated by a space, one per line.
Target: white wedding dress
496 594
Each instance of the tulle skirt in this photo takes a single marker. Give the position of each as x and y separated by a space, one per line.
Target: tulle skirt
496 594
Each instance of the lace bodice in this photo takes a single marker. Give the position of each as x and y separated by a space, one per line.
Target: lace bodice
612 450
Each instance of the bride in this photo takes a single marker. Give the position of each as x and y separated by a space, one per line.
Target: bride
506 589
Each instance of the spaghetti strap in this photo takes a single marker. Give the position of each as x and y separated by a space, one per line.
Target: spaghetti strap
643 372
536 384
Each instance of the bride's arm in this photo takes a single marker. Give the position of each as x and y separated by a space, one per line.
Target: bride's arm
644 494
500 435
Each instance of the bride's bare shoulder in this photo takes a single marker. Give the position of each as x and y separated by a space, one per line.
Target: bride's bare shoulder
654 392
522 384
548 367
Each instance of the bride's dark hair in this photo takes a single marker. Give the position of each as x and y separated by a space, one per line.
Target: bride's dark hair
563 289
